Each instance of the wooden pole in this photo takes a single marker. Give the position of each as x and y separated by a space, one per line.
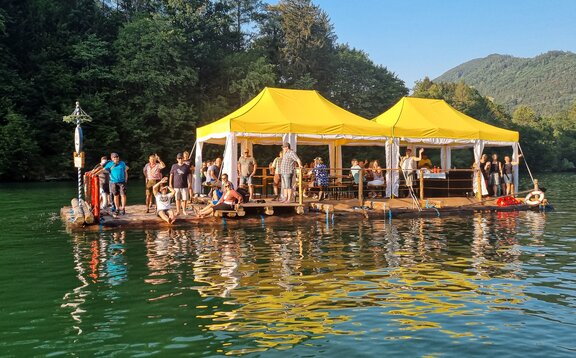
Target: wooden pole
479 184
421 184
300 192
361 188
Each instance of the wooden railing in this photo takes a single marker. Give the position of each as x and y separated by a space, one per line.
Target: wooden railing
458 182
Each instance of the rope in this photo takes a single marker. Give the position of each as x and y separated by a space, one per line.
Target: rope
526 162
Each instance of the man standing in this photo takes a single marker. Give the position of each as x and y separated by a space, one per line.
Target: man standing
246 170
152 173
287 171
409 163
118 180
180 181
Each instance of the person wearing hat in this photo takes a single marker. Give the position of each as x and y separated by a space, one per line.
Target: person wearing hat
163 200
118 179
246 170
320 173
181 182
287 165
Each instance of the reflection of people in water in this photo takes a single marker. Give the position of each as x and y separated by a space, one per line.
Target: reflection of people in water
116 267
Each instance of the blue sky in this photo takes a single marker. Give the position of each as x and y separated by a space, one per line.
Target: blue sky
418 38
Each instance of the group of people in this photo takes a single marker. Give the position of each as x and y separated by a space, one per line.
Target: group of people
498 176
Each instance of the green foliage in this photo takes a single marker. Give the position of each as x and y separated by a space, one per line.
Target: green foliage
546 82
149 72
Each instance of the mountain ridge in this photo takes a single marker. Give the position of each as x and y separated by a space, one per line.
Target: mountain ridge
546 83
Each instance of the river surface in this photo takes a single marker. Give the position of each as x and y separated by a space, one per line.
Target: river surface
483 285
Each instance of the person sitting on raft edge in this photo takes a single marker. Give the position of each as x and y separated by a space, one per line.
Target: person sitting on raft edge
163 200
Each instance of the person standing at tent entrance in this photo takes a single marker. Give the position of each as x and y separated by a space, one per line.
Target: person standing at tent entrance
289 159
495 168
408 164
246 170
180 181
153 174
118 179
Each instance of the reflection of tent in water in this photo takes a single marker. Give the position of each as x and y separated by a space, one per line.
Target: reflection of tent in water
434 123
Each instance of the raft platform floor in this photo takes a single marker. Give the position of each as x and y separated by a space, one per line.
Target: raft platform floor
273 211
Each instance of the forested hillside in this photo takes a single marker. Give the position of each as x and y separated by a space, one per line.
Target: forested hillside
548 142
150 71
547 82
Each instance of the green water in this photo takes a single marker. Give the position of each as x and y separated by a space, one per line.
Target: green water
496 284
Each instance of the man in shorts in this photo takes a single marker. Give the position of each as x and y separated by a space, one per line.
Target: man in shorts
246 170
152 173
181 181
118 180
289 161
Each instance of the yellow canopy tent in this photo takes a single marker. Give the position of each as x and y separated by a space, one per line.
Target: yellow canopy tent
434 118
434 123
285 115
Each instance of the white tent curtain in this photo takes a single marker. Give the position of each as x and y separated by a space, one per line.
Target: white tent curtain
392 160
247 144
446 157
230 160
478 149
515 168
198 164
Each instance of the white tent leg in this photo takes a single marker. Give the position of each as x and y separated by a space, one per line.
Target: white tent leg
229 165
446 157
198 164
292 139
392 159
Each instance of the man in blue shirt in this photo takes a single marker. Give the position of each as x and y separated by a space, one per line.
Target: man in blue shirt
118 180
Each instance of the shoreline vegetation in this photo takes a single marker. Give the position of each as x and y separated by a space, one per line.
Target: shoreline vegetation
150 71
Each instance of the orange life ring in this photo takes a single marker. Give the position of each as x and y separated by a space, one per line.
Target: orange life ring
536 197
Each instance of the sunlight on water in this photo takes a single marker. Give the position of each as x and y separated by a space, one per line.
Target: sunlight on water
490 283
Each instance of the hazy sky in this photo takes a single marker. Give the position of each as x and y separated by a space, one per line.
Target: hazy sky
418 38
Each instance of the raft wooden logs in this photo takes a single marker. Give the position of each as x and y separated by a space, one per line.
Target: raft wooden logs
82 214
78 212
238 211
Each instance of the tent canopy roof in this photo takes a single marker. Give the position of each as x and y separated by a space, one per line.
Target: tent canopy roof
303 112
434 118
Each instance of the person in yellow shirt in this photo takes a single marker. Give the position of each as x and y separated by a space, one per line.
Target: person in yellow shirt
425 162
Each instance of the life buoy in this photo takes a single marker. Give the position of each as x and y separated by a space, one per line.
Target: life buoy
534 198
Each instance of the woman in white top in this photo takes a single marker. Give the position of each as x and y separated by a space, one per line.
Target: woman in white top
377 177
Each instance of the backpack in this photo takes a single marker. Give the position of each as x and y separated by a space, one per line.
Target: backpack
244 193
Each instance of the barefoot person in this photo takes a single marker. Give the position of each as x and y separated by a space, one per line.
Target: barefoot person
226 202
163 200
181 181
152 173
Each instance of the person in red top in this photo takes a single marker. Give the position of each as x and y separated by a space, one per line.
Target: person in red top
226 202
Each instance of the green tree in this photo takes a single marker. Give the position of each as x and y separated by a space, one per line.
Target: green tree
361 86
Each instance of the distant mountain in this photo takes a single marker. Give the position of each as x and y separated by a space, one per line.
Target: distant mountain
547 82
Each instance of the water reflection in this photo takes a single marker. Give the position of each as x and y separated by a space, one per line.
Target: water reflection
278 287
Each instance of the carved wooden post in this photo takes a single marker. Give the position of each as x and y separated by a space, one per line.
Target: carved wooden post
361 187
300 192
421 184
479 184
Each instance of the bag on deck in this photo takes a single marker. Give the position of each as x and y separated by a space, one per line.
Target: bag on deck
244 193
